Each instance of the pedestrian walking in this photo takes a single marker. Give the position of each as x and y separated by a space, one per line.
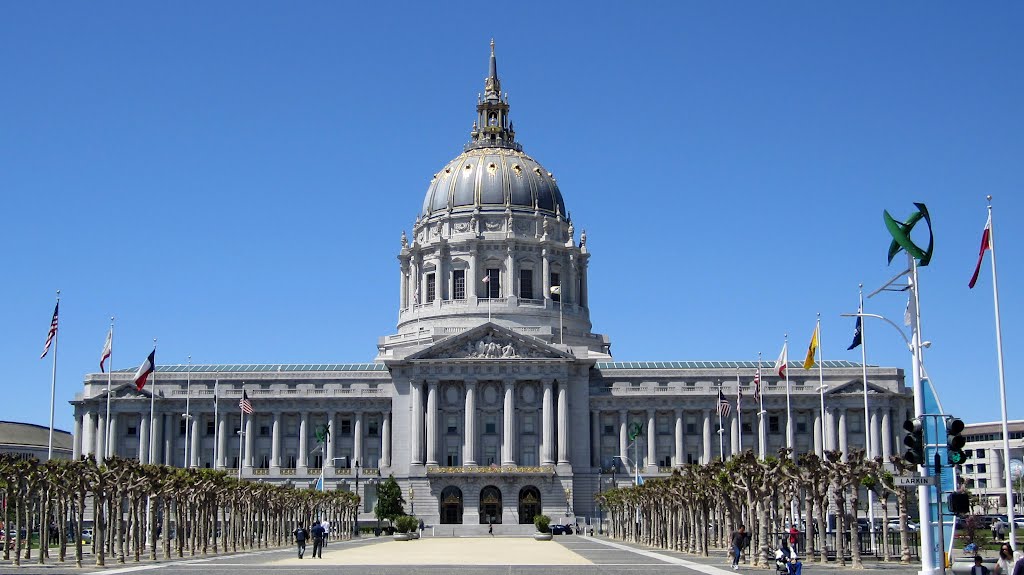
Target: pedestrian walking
490 529
739 540
327 530
300 539
318 540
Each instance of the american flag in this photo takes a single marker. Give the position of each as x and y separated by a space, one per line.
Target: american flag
723 405
244 404
757 385
53 332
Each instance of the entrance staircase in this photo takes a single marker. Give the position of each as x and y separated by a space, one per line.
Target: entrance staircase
500 530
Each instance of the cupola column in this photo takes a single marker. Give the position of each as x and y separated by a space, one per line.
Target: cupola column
547 437
569 289
471 276
469 427
507 453
510 267
403 280
563 422
546 271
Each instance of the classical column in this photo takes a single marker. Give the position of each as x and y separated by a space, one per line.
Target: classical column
193 450
432 422
385 439
168 427
876 435
357 439
595 439
471 273
510 271
100 449
300 461
88 434
584 295
569 295
563 423
403 284
222 440
886 434
829 441
333 430
705 457
250 441
623 445
546 270
144 438
547 429
469 427
844 436
652 451
819 445
154 447
734 433
416 438
76 449
416 272
508 434
275 444
679 454
112 438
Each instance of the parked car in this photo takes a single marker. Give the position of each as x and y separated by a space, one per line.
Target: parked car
561 529
894 525
87 535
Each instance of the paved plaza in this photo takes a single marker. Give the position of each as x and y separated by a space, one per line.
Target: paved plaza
564 555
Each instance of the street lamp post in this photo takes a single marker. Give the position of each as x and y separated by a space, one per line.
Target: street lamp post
600 509
412 502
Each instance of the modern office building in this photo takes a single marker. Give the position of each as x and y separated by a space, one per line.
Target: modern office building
494 400
984 473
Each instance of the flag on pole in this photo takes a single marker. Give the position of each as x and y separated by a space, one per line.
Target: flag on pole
144 370
319 484
244 404
723 405
53 332
780 364
757 386
105 354
812 349
739 394
986 244
556 290
216 384
856 335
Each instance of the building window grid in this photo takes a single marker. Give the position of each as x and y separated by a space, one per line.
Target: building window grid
431 287
526 283
459 284
493 283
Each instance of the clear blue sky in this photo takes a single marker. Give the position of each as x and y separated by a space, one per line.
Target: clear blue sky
233 177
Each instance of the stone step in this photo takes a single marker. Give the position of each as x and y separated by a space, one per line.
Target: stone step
500 530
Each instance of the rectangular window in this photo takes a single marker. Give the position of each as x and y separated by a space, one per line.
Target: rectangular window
459 284
665 461
264 461
493 283
983 483
801 426
372 427
431 288
289 461
317 462
982 468
265 430
234 462
970 468
181 427
528 423
372 458
691 427
773 424
132 431
453 424
490 426
526 284
747 427
211 428
980 453
529 456
609 430
664 425
490 455
346 427
555 281
452 460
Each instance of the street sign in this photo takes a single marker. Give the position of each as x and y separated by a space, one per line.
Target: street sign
914 480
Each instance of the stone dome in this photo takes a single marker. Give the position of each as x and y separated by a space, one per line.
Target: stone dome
493 178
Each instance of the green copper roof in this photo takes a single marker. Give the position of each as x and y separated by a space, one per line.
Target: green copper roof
829 364
264 367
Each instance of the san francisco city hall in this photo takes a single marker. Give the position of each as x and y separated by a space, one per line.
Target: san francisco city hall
494 400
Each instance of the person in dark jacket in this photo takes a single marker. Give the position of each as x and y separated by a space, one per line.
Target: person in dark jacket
739 541
318 533
300 539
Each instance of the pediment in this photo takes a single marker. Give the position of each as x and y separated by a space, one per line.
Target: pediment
490 342
856 386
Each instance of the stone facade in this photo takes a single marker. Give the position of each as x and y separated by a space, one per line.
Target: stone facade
494 400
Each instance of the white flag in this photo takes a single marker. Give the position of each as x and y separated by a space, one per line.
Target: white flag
556 290
780 364
106 349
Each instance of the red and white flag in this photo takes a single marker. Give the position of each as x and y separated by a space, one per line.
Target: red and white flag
780 364
105 354
244 404
757 385
53 332
147 367
986 244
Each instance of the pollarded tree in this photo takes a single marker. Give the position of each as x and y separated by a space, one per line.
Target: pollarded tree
390 503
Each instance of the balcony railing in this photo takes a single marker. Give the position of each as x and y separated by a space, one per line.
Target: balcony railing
492 470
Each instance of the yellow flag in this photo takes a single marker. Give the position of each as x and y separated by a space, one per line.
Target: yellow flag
811 350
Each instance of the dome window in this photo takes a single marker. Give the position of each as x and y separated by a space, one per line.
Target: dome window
492 169
469 167
537 171
517 169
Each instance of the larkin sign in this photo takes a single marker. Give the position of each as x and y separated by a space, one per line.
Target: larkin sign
913 480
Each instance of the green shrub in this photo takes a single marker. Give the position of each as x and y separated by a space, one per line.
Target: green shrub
542 523
406 524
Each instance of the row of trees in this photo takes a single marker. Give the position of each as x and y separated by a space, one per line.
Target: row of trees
137 507
699 506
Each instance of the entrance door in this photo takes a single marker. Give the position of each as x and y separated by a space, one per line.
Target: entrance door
490 505
529 504
451 505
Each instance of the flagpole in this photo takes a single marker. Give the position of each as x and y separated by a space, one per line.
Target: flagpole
789 410
739 415
152 406
760 411
186 415
821 386
1002 378
721 430
241 436
867 413
53 388
110 369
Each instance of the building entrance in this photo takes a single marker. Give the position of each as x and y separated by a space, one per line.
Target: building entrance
529 504
490 505
451 505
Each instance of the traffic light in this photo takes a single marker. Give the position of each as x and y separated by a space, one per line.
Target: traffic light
955 442
958 502
914 442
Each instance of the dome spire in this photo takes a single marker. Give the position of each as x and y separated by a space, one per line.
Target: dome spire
493 128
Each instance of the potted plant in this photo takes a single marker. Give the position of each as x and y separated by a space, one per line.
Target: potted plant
404 525
543 525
